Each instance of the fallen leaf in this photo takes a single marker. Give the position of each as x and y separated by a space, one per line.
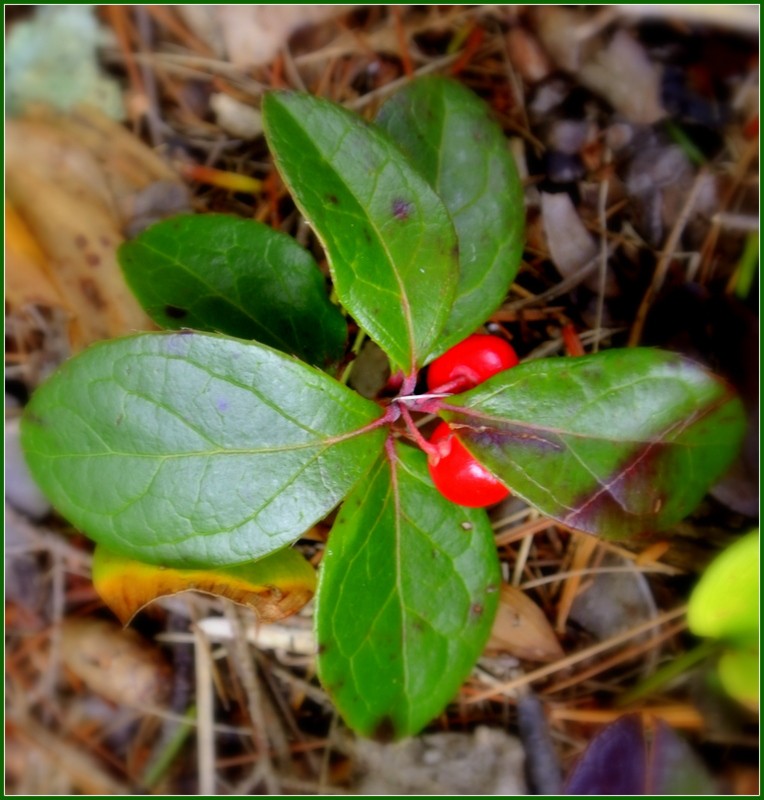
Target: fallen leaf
276 586
118 664
618 70
75 183
522 629
570 244
622 73
252 35
27 281
527 56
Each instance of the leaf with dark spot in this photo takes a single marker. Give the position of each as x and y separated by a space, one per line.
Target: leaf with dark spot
405 629
408 270
619 443
214 272
450 138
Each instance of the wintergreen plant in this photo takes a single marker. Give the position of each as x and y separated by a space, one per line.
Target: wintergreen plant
205 454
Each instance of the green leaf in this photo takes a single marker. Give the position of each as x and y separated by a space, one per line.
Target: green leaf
195 450
408 590
449 135
617 443
739 674
390 242
725 602
214 272
275 587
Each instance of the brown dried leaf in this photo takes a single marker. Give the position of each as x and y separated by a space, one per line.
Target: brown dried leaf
526 55
75 182
252 35
623 74
570 244
618 70
522 630
118 664
80 240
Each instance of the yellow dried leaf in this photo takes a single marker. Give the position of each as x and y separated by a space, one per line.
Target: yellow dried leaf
80 240
275 587
26 278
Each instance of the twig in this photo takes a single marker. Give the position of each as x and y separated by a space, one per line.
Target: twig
245 668
205 736
528 529
85 772
543 672
602 209
522 558
625 655
563 287
532 584
678 715
542 766
389 88
584 546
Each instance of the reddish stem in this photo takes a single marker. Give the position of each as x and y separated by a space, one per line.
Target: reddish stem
573 344
415 434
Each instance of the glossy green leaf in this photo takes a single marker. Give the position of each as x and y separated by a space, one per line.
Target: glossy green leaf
725 602
214 272
617 443
390 242
408 590
195 450
275 587
449 135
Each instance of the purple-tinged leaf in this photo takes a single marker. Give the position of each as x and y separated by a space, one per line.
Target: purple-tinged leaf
624 760
619 443
614 763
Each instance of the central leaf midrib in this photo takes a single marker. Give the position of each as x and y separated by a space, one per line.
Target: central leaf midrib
395 490
562 433
405 301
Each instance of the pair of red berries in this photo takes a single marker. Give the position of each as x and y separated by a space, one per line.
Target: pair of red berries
456 474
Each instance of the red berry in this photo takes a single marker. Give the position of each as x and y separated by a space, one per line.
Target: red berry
471 362
458 476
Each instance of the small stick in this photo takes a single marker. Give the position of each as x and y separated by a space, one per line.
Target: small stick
400 32
474 40
602 203
584 546
205 737
624 655
543 672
